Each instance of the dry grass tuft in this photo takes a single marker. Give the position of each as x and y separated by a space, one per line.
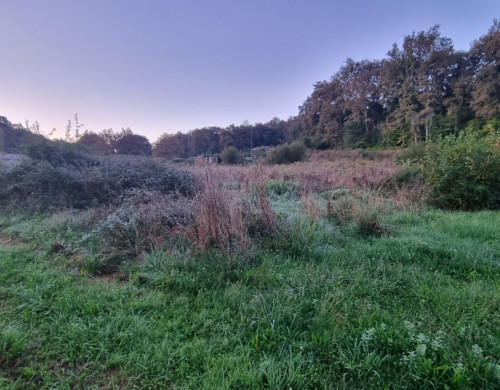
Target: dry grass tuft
232 205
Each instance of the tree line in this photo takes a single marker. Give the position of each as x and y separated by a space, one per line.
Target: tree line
420 91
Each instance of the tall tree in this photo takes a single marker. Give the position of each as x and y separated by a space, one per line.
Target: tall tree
169 146
95 143
485 53
415 79
361 100
322 114
203 141
129 143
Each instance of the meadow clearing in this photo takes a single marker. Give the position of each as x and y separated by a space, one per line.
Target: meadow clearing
323 274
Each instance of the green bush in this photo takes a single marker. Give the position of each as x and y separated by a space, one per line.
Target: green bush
278 188
287 154
144 219
231 156
57 153
463 172
41 184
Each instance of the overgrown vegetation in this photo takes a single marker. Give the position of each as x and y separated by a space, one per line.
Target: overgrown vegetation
321 274
287 154
323 309
231 155
124 272
80 181
463 171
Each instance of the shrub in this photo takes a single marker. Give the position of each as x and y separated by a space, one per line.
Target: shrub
279 188
409 174
41 184
365 210
287 154
57 153
231 156
463 171
142 222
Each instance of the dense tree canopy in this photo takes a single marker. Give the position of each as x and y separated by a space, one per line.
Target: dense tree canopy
213 140
421 90
170 146
109 142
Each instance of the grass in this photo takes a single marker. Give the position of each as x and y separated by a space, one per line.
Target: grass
318 306
318 275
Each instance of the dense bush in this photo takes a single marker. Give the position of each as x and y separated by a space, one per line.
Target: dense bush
57 153
463 172
231 155
142 222
41 184
287 154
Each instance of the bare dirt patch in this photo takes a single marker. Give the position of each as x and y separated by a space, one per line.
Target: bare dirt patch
7 240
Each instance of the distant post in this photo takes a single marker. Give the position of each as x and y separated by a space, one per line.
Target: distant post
251 143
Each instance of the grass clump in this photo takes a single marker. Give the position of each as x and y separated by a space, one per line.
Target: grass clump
364 209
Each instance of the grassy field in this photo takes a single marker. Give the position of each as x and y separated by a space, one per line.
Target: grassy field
349 288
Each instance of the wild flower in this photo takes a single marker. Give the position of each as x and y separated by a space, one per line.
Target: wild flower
459 366
477 350
411 356
368 335
422 338
437 342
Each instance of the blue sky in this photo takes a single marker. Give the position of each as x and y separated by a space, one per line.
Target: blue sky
161 66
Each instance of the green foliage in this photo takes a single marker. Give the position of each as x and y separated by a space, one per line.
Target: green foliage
463 171
413 153
279 188
79 183
143 221
318 308
399 137
12 343
231 155
287 154
409 174
358 135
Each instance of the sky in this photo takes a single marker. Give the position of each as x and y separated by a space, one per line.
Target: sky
163 66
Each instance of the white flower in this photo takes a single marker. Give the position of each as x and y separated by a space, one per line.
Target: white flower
477 350
436 343
459 366
368 335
